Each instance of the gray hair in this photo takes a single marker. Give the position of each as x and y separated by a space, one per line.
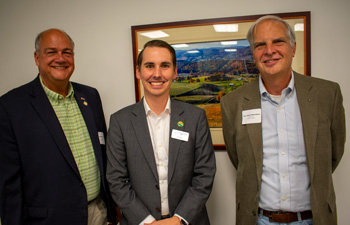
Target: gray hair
38 38
289 31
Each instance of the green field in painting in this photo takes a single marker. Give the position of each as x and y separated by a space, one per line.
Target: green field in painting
206 94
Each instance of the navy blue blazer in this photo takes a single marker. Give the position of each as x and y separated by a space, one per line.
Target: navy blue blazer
39 179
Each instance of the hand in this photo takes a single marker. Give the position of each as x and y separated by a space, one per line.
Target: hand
171 221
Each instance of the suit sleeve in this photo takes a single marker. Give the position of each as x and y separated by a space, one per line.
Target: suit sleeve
228 131
118 176
11 204
338 129
204 170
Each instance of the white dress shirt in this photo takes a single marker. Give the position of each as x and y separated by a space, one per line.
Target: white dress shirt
285 181
159 130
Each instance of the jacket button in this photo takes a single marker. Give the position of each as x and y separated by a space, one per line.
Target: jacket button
157 186
254 213
158 209
84 208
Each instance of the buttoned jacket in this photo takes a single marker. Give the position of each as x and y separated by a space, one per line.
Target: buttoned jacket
132 171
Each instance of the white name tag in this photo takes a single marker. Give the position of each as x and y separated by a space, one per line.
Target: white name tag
180 135
251 116
101 137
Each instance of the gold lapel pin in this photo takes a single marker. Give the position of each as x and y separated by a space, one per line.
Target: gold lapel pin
180 124
85 103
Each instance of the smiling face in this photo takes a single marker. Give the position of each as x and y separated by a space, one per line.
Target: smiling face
273 53
156 72
55 60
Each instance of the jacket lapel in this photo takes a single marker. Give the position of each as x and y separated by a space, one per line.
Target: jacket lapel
308 104
87 114
252 100
44 109
177 115
141 130
307 100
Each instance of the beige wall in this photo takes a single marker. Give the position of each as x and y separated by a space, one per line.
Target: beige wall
101 30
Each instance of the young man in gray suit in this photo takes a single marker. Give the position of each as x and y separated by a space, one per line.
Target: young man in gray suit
160 158
285 135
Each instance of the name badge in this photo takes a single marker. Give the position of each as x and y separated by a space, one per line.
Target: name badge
180 135
251 116
101 137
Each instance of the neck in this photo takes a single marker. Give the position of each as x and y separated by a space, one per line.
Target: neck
58 87
275 84
62 90
157 103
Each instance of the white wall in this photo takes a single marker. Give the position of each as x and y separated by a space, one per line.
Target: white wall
101 31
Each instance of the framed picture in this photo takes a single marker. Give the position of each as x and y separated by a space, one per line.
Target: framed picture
214 58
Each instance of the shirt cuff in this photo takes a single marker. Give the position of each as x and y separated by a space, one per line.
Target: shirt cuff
148 219
181 218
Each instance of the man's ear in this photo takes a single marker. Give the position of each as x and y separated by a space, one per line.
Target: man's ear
138 75
36 57
294 48
175 73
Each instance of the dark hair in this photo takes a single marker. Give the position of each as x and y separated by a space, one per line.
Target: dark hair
38 38
289 30
161 44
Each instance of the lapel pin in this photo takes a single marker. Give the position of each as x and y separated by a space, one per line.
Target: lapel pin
83 99
180 124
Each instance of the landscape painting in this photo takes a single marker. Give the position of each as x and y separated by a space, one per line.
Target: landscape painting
208 71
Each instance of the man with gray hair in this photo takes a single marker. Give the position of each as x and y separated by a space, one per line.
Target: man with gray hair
52 138
285 135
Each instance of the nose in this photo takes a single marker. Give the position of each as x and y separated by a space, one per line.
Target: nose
157 72
60 57
270 49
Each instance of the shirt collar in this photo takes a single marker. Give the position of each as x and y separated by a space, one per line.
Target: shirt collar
287 91
55 97
149 110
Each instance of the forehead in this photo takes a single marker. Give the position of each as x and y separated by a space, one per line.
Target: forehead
270 28
153 54
55 39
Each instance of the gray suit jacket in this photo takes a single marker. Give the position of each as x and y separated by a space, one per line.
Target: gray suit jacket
132 172
323 121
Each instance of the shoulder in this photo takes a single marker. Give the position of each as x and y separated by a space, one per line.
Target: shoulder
84 88
314 82
185 106
242 91
125 112
17 94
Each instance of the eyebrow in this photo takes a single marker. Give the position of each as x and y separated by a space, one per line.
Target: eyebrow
166 63
162 63
148 63
55 49
281 39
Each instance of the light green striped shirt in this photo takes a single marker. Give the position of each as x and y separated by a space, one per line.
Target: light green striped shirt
76 132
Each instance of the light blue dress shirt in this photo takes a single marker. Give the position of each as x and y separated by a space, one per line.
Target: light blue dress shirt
285 182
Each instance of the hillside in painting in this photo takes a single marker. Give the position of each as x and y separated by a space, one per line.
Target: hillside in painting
205 75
